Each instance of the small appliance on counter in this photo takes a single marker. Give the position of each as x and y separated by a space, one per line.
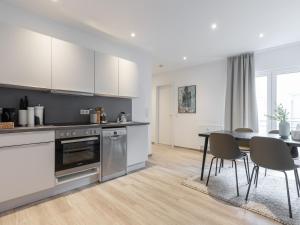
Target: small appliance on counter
93 116
9 115
122 118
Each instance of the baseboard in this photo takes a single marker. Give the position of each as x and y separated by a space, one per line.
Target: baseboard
135 167
44 195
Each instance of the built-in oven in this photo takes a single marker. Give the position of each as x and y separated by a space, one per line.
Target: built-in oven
77 150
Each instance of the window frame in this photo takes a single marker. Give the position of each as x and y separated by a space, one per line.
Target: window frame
272 90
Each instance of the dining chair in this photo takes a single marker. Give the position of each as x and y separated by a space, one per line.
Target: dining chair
293 149
225 147
281 160
244 145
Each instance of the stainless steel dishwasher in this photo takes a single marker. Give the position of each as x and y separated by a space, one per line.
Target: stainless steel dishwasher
114 153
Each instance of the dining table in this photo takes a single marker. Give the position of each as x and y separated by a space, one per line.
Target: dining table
241 136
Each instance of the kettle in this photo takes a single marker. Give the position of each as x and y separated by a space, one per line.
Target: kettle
122 118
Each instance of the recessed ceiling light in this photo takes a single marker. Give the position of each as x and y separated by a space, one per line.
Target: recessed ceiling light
214 26
184 58
54 0
132 34
261 35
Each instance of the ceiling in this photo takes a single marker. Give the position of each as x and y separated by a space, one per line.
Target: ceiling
171 29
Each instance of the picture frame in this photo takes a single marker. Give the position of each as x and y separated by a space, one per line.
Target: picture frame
187 99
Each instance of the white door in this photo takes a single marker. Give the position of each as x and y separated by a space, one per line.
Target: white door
164 115
25 57
128 78
72 67
106 74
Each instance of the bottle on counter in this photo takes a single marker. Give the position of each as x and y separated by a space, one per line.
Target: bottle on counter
22 114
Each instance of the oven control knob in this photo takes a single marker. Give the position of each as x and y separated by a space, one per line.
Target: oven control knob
68 134
62 134
73 133
87 132
95 132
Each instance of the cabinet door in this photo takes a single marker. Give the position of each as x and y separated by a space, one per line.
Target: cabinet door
26 169
72 67
106 74
128 79
25 57
137 144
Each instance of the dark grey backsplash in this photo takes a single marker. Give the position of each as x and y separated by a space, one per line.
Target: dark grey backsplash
65 108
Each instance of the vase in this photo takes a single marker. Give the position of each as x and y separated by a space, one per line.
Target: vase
284 129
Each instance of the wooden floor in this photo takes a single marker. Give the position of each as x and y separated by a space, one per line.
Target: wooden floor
151 196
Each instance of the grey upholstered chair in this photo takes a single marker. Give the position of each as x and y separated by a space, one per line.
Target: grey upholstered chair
293 149
244 145
244 129
281 160
225 147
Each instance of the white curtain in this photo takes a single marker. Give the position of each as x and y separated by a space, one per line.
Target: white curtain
240 107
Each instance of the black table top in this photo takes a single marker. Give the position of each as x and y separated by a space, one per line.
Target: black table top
248 135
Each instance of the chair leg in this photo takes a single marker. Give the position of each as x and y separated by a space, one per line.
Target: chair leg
257 174
212 160
236 177
249 186
247 175
221 163
265 172
298 177
288 194
216 171
297 182
248 166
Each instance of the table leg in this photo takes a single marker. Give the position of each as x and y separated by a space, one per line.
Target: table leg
204 157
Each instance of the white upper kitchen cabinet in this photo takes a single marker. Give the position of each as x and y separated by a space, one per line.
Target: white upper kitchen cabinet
128 79
72 67
106 74
25 57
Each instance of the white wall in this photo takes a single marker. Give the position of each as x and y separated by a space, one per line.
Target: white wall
94 40
285 57
211 86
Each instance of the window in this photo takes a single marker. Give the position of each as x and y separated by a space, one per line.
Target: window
273 89
288 94
262 102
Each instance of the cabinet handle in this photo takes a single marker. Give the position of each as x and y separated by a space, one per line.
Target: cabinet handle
30 144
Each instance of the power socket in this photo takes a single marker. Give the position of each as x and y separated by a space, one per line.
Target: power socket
84 112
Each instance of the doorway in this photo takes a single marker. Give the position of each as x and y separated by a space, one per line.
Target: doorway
164 115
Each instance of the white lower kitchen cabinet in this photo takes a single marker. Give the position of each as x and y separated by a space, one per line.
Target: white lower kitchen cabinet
128 79
72 67
137 147
25 57
26 168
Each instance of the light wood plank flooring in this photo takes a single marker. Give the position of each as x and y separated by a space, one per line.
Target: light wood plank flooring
151 196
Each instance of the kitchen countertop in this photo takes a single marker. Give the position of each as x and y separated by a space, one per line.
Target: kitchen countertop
58 127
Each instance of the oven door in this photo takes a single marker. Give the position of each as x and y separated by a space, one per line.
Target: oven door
76 153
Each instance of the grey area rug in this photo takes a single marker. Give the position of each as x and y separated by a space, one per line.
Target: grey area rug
269 199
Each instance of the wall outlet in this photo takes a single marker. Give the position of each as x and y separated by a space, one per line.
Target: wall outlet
84 112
